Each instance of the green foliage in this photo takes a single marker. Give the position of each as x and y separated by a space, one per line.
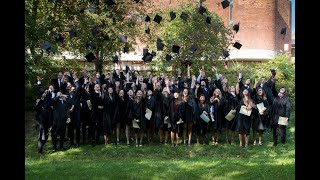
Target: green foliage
210 39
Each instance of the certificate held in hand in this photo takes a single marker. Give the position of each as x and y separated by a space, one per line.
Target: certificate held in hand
244 111
205 117
261 107
148 114
135 124
282 121
230 115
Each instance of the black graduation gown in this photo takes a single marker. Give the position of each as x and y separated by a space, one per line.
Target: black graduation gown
129 111
60 116
150 104
232 103
257 118
174 116
119 110
202 126
243 121
280 107
158 110
189 111
42 118
109 105
139 112
97 114
218 114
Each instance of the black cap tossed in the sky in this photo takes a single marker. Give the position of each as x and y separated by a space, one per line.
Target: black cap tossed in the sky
90 57
175 49
157 19
237 45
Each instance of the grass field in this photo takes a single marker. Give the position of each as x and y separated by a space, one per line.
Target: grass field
219 162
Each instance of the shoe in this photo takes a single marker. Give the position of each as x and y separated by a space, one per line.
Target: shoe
140 145
254 143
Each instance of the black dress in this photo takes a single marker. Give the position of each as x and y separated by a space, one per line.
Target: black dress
139 112
218 114
108 114
259 121
243 121
232 104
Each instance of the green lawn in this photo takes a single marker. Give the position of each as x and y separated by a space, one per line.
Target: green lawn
223 161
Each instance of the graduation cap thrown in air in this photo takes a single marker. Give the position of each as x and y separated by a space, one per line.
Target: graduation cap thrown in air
168 57
202 10
236 27
90 57
115 59
153 53
193 48
208 20
147 57
125 49
225 4
225 53
147 19
157 19
145 51
237 45
46 46
175 49
184 16
172 15
59 38
148 30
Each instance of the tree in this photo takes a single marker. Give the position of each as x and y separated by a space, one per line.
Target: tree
209 38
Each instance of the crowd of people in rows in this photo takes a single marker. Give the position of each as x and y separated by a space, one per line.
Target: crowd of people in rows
88 106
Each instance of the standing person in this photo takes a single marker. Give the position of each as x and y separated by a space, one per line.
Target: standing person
119 113
57 83
97 114
42 118
217 105
109 104
259 117
61 117
280 108
244 121
139 117
232 104
150 104
174 114
129 114
189 115
85 114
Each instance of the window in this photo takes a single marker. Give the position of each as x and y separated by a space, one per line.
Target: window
230 12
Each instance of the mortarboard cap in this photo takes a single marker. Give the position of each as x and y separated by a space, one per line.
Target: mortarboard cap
115 59
46 46
225 53
202 10
145 51
136 1
147 57
95 31
153 53
59 38
184 16
284 31
106 37
148 30
172 15
90 45
125 49
208 20
123 39
237 45
225 4
236 27
175 48
82 10
168 57
157 19
72 33
188 62
160 46
193 48
147 19
110 2
90 57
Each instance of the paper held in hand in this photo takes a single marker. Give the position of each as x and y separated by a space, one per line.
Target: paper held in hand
148 114
244 111
205 117
166 120
89 104
261 107
135 124
230 115
282 121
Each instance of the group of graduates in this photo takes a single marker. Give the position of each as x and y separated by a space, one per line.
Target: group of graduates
88 106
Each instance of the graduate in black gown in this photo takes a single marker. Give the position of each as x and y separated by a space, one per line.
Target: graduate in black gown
119 116
244 121
61 117
85 114
98 104
232 103
42 118
174 114
139 111
281 107
150 104
129 114
259 117
108 114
